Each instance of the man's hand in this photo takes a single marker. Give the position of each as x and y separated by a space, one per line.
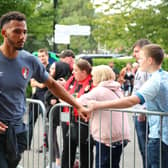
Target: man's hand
84 113
3 127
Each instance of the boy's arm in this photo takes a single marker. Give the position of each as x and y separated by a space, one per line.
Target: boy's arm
118 103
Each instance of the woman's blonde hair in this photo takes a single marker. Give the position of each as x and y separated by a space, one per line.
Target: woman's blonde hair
102 73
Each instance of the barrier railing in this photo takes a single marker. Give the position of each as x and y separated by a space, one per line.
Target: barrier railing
64 117
35 119
130 154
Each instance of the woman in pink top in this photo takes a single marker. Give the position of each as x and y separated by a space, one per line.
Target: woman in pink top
109 130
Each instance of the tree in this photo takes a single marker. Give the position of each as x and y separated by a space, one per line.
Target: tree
39 20
122 29
40 27
77 12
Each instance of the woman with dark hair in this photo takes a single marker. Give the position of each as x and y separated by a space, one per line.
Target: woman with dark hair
78 84
60 72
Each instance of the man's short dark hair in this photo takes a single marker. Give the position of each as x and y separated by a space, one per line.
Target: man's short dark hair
13 15
43 50
140 43
67 53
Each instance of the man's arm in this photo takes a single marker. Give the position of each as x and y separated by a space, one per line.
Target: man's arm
119 103
59 91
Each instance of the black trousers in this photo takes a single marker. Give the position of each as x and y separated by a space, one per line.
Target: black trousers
22 144
86 150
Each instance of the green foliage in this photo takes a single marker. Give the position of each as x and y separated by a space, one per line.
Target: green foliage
77 12
39 21
12 5
24 6
122 29
151 24
165 64
28 91
120 63
110 31
40 27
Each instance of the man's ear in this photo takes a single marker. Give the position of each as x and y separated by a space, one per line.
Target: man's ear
3 32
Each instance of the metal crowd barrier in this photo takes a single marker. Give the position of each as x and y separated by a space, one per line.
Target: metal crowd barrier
31 158
130 154
64 117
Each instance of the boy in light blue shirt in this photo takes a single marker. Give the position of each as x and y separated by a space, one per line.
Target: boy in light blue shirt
154 94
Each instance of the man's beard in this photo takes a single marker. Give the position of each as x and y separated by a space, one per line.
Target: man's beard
13 44
17 48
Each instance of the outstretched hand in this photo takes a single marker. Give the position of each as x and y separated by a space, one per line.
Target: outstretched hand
3 127
84 113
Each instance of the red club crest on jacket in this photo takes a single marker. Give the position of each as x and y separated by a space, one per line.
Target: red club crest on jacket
25 72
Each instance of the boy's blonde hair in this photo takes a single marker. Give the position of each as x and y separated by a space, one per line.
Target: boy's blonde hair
102 73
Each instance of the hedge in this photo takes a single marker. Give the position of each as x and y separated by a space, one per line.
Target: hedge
120 63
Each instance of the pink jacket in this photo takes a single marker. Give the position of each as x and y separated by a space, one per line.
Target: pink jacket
107 90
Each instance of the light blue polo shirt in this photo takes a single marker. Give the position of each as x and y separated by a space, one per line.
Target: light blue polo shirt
140 78
154 93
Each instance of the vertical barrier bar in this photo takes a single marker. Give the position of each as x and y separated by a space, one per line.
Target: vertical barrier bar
146 141
50 135
123 139
125 154
111 146
41 105
100 139
64 117
161 119
79 133
134 153
89 145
